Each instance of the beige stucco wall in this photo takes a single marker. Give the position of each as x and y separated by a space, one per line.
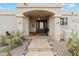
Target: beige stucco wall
7 22
72 24
21 8
32 25
38 5
78 23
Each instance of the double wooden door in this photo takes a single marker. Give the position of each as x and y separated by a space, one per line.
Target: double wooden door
41 25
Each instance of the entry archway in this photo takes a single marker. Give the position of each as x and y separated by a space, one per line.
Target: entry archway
36 13
38 20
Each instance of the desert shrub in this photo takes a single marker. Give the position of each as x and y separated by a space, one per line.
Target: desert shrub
11 40
73 44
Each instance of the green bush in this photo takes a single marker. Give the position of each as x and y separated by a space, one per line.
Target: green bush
12 41
73 44
5 48
16 38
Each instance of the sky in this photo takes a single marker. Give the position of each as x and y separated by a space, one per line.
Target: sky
72 6
7 6
65 6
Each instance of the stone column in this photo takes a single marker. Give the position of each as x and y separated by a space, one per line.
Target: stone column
23 24
26 26
51 26
20 23
57 28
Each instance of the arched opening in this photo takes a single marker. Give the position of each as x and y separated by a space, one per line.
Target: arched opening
36 13
38 21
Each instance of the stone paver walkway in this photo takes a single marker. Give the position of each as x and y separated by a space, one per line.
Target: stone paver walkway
39 47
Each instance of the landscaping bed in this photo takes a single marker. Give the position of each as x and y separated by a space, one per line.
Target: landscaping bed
10 41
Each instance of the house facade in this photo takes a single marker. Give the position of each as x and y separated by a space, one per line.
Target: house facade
35 18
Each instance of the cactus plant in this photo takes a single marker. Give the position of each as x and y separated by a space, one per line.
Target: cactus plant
73 44
5 48
10 41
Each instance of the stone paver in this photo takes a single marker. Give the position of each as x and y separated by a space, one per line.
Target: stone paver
40 53
59 48
39 47
19 51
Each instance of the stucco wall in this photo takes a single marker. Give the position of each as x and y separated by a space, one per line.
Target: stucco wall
38 5
32 25
72 25
7 23
25 7
78 23
72 20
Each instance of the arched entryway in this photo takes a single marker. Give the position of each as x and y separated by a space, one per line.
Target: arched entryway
38 21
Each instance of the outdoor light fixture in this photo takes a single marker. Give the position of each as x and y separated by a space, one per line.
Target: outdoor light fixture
39 18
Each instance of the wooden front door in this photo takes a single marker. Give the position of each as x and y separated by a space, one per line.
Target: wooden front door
41 25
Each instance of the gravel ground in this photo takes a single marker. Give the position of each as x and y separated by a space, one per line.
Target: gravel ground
59 48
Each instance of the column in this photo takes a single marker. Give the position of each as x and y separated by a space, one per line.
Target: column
57 28
51 26
23 25
20 23
26 26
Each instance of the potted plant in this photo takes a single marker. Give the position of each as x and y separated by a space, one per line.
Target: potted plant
46 31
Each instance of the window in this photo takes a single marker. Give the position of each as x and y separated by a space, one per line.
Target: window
41 25
63 21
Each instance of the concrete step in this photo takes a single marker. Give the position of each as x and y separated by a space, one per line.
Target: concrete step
40 53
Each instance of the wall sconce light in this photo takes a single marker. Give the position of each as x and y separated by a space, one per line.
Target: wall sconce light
39 18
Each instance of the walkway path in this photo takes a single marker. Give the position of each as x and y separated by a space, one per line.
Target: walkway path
39 47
